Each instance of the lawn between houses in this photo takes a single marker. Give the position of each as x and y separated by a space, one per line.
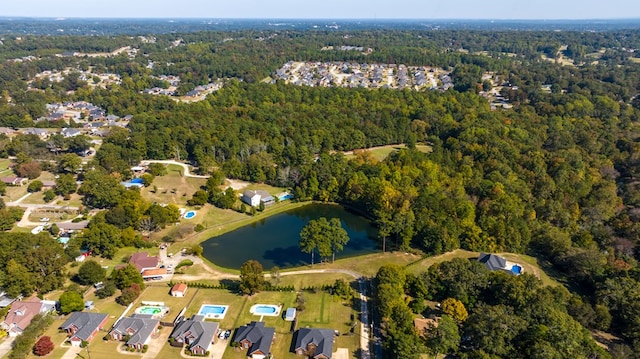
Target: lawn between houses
322 311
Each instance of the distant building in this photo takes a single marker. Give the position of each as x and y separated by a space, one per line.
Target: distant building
290 315
495 262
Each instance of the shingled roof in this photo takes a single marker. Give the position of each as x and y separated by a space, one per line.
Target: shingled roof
258 335
321 339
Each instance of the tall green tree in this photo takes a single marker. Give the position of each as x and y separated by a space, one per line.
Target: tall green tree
91 272
71 301
251 277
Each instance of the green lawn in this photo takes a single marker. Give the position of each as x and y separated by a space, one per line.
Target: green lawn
173 188
382 152
322 311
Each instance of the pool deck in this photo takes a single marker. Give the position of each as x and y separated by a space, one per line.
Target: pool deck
219 316
278 309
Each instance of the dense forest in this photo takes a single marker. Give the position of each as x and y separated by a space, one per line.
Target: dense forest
555 177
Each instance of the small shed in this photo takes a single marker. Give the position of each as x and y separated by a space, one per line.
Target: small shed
179 290
290 315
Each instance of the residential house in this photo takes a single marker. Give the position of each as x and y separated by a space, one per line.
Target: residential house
495 262
70 132
314 343
72 226
256 338
143 261
83 326
20 315
137 329
14 181
179 290
253 198
40 132
196 333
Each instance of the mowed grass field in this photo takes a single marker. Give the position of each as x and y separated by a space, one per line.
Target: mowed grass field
382 152
173 187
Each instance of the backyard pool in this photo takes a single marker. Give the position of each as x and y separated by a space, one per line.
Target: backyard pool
516 269
266 309
213 311
156 312
190 214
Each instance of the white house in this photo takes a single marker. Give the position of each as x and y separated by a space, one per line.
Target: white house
254 198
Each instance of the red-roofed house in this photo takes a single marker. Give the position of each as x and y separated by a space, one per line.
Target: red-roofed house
179 290
14 181
20 315
143 261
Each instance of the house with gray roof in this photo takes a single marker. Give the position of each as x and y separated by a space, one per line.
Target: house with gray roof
196 333
136 329
253 198
83 326
314 343
256 338
495 262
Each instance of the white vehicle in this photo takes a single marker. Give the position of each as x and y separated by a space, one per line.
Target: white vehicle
37 230
45 219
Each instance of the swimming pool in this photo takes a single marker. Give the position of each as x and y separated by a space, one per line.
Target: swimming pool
266 309
190 214
157 312
213 311
516 269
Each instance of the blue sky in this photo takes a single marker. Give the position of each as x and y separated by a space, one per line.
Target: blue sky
327 9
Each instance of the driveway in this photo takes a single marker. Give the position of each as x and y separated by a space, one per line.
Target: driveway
5 346
72 353
217 349
156 344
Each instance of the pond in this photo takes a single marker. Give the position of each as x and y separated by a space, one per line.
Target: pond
274 240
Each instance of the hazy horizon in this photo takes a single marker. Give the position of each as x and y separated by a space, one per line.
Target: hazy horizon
542 10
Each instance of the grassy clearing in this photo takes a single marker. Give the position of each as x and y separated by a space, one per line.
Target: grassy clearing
369 264
15 192
382 152
173 188
305 281
529 264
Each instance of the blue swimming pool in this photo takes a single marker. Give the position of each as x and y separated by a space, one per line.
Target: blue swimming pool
190 214
516 269
213 311
265 309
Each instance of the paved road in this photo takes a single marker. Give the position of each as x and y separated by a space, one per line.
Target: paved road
172 162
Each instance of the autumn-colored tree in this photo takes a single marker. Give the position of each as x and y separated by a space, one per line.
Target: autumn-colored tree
455 309
43 346
30 170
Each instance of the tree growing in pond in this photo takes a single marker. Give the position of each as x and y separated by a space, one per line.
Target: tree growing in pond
326 236
251 277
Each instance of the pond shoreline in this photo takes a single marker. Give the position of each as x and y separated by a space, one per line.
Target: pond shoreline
273 240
